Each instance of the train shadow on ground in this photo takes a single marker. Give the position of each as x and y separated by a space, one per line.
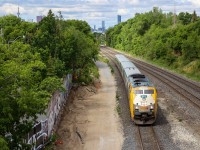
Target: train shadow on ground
161 119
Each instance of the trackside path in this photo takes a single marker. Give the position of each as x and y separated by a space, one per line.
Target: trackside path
103 130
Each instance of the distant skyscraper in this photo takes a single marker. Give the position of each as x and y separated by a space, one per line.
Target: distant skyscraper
103 26
119 19
39 18
94 27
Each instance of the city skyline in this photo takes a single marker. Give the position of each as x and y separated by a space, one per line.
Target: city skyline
119 19
94 11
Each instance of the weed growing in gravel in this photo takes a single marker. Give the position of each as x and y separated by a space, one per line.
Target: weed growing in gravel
118 109
111 69
51 143
180 120
117 96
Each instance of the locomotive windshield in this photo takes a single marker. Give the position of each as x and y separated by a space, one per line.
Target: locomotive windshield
148 91
138 91
144 92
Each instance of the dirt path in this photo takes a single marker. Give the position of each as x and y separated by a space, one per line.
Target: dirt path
93 122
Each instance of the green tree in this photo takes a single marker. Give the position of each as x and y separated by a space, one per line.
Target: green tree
194 16
153 36
22 95
46 35
79 50
190 48
185 18
31 71
79 25
3 144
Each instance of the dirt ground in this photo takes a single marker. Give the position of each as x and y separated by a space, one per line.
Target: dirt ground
90 120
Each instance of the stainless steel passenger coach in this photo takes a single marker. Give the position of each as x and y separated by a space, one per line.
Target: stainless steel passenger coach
142 94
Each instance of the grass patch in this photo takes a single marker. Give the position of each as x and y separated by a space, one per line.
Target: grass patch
178 70
102 58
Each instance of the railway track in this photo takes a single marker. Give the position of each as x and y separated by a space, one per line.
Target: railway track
189 83
187 89
146 134
147 137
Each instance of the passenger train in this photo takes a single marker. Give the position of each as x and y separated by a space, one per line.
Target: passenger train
142 94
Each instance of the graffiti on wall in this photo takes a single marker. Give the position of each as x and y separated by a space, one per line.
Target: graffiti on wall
44 128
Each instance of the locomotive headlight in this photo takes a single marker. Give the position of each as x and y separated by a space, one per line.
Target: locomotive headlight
152 106
136 107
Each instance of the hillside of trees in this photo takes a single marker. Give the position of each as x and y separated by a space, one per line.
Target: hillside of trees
159 38
34 58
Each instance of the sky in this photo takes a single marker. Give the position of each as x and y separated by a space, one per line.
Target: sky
94 11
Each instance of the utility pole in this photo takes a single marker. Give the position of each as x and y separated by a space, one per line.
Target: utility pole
174 20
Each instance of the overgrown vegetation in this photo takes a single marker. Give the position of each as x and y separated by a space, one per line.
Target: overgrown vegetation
32 68
103 59
153 36
100 37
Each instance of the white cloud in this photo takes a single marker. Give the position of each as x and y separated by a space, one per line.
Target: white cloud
95 14
132 2
195 2
8 8
122 11
98 1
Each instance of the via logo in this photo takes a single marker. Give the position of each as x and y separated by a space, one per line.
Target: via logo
143 97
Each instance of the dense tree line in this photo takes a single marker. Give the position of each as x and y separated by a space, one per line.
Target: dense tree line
32 68
161 37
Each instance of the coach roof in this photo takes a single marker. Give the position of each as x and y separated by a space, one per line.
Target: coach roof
131 71
127 64
121 58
